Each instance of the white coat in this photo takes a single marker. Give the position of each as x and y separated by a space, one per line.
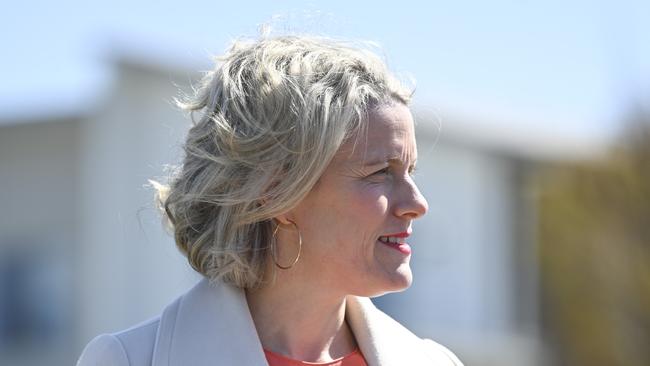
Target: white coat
211 325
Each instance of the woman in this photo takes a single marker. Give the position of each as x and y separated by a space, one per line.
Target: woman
295 201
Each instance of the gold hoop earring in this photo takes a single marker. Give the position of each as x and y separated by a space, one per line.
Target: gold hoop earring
274 247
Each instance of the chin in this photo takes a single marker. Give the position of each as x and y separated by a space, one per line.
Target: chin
400 280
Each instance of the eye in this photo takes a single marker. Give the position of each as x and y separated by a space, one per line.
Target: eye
381 171
378 175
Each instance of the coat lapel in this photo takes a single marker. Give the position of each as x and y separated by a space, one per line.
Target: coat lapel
382 340
211 324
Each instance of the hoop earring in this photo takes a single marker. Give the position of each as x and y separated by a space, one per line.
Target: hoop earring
274 245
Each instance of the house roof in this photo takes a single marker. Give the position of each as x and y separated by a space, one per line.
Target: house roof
505 135
475 129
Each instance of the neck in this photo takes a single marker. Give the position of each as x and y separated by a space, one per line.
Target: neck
300 320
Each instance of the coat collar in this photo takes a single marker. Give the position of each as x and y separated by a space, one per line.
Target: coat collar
211 324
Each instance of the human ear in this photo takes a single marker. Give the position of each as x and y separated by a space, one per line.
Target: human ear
284 219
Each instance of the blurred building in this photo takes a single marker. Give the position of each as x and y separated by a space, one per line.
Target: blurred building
82 250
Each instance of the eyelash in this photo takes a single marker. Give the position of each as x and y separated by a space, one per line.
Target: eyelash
382 171
411 171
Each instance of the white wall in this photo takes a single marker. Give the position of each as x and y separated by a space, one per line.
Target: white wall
38 226
464 292
131 267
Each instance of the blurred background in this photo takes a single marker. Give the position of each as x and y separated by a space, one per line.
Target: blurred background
534 137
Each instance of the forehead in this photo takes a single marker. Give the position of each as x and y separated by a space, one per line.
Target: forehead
389 135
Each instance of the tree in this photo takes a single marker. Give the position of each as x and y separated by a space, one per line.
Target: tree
594 250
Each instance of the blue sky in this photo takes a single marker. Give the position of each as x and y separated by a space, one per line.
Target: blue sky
569 67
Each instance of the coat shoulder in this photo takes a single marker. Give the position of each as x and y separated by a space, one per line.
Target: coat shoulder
440 353
104 350
130 347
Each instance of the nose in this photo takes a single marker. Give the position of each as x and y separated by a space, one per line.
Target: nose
411 202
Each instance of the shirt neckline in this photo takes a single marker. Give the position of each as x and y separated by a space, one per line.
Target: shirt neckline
298 362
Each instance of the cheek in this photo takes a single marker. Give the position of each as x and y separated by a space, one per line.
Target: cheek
358 203
371 199
349 221
366 213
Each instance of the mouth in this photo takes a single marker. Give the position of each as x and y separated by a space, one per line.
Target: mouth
397 242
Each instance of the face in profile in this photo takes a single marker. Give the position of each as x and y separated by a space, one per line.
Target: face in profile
356 221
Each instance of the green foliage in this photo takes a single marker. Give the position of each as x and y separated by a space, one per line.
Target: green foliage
594 250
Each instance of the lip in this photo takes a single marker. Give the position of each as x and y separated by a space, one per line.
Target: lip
403 248
404 234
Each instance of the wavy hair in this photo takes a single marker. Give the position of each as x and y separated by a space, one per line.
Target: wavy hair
272 114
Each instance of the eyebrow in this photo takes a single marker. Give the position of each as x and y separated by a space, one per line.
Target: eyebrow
393 160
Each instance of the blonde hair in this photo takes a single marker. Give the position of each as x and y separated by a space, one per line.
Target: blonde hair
273 113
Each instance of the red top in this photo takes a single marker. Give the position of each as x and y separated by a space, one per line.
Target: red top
353 359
